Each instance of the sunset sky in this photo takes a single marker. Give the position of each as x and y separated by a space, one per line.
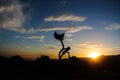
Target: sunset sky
27 27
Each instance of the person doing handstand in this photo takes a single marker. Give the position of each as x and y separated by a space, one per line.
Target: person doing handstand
65 50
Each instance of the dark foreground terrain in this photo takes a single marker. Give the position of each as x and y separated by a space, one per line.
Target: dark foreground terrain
43 68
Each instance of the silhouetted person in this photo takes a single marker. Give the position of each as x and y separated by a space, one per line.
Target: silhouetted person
64 50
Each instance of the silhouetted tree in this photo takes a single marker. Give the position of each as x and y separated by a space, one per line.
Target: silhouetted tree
74 60
16 59
64 50
43 58
3 59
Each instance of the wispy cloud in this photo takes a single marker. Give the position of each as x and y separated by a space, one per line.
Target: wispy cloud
79 28
89 46
40 37
66 18
67 29
68 35
114 26
31 30
50 47
68 39
11 16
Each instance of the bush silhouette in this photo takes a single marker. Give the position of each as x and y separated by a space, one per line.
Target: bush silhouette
43 59
3 59
16 59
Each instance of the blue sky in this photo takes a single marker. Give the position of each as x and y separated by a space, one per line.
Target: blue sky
27 27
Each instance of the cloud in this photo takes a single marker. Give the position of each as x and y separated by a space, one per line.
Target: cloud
51 47
114 26
31 30
11 15
68 39
67 29
40 37
79 28
65 18
90 46
68 35
13 18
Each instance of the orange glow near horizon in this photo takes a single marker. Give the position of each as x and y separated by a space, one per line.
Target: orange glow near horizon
93 55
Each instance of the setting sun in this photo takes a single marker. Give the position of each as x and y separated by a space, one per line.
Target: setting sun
93 55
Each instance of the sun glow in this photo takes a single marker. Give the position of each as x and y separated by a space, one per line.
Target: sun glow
93 55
